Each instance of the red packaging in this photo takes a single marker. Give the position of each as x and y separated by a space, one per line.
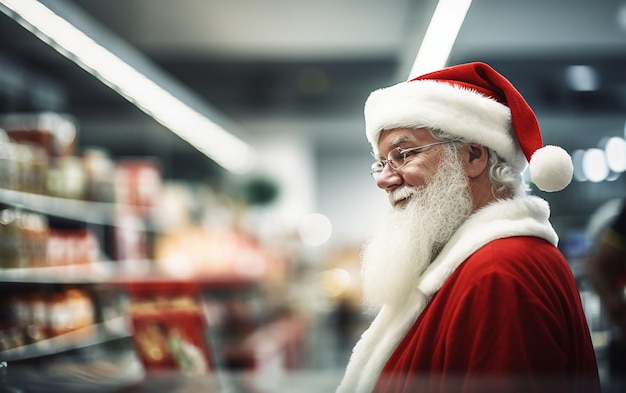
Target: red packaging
169 327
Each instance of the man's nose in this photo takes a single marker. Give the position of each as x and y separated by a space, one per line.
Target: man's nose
389 178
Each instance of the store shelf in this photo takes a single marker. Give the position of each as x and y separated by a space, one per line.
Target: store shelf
116 281
108 272
107 331
73 209
110 372
99 272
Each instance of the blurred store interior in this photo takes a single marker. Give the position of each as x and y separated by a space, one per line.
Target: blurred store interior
137 255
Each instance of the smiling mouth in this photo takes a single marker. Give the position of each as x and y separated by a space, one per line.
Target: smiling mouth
400 202
400 197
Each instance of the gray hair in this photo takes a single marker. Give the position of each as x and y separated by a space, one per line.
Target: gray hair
504 179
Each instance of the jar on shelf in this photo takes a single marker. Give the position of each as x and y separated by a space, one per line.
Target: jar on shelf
99 174
10 239
67 179
34 239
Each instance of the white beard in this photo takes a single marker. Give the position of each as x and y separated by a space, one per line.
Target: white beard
412 235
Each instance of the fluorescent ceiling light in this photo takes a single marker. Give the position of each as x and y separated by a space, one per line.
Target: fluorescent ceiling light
442 31
197 129
615 150
595 166
582 78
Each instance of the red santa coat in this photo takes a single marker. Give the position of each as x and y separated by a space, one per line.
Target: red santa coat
497 311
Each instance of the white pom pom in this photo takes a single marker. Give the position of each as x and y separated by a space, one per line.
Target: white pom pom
551 168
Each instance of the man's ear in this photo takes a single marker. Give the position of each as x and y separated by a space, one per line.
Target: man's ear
475 160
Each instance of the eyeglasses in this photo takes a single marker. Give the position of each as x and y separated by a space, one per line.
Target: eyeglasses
397 158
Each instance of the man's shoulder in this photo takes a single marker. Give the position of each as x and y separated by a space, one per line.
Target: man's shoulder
514 254
520 264
519 244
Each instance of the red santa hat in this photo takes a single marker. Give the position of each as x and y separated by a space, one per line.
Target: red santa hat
475 102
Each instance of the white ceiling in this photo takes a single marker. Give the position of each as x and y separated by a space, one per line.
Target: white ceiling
305 29
252 29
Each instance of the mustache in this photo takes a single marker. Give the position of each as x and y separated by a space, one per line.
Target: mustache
398 194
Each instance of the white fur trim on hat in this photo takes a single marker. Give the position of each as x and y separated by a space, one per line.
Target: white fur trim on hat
447 107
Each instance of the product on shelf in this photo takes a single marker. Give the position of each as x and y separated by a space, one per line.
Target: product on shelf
23 238
217 252
30 145
169 327
69 310
71 247
99 169
55 132
27 241
67 178
37 155
35 315
23 165
129 244
138 184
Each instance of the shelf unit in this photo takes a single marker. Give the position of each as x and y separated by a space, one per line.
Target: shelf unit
113 329
238 324
98 213
82 353
93 273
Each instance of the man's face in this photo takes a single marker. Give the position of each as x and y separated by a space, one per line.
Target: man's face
418 167
431 200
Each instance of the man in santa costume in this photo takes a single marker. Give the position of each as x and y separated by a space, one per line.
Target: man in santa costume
474 295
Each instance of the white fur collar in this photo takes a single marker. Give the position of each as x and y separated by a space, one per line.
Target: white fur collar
523 216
